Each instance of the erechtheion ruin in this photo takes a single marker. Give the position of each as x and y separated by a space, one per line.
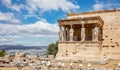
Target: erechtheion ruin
90 36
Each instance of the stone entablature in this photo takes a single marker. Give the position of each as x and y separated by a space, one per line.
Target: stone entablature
93 12
79 20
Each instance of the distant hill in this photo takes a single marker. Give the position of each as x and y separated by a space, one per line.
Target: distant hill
20 47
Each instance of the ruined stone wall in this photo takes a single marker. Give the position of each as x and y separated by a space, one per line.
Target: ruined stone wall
77 50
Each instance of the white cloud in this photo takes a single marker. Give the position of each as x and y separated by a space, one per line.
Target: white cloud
41 5
16 7
8 17
7 2
5 38
40 28
48 5
100 5
27 34
32 15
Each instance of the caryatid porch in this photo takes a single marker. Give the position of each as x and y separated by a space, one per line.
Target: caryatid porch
80 29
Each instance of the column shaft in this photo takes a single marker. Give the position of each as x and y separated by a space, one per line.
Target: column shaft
71 33
68 33
64 34
60 34
82 33
96 31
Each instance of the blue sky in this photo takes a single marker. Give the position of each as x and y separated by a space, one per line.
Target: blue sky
34 22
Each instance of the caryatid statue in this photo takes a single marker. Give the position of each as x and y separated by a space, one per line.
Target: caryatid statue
71 33
96 31
82 33
60 34
68 34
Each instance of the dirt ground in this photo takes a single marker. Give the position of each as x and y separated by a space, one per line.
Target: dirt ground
8 68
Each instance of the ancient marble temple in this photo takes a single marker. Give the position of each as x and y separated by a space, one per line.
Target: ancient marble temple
90 36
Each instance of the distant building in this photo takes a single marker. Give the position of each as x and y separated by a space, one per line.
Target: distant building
90 36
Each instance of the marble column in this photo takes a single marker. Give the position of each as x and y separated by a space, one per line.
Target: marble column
68 34
64 34
82 33
96 32
60 34
71 33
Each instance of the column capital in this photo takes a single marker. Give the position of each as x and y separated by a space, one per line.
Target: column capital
60 27
83 28
82 25
71 26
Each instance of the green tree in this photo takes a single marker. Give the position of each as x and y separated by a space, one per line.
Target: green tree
52 49
2 53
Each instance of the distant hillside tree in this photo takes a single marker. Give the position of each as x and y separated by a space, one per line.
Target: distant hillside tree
52 49
2 53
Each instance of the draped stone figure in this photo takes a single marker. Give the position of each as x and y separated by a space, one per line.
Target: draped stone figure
96 31
64 34
82 34
60 34
71 34
68 34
